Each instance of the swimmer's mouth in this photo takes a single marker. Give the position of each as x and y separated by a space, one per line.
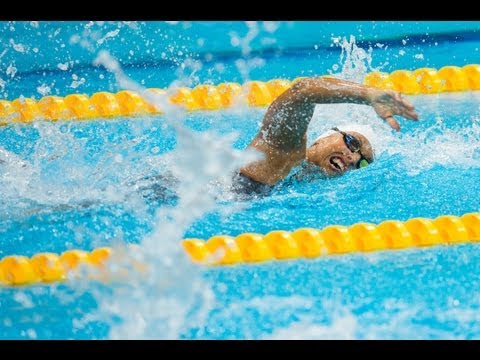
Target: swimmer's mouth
338 164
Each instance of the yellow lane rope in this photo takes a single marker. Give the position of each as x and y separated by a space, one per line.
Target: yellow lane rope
48 267
214 97
334 239
252 247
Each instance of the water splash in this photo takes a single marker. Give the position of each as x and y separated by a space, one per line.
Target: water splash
247 63
355 62
171 294
345 325
59 162
244 42
437 145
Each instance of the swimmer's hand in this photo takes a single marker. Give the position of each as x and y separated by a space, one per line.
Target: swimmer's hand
388 103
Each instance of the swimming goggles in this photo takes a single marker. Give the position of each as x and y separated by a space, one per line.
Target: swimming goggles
354 145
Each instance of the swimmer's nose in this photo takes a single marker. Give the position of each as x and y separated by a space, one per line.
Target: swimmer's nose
352 159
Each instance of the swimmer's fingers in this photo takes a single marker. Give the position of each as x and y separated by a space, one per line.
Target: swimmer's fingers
389 103
386 114
410 114
390 120
402 101
404 107
393 123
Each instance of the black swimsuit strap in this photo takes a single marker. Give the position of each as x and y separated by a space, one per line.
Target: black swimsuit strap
242 184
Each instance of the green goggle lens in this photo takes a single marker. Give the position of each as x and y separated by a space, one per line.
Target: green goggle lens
363 163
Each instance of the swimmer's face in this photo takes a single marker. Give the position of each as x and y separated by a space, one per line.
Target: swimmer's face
333 156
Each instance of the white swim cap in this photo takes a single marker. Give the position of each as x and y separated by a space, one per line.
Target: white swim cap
365 130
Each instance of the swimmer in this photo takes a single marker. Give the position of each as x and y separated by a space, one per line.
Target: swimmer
282 138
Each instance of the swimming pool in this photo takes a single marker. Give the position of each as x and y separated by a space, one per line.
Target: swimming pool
67 184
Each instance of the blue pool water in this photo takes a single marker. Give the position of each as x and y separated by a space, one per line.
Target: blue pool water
67 185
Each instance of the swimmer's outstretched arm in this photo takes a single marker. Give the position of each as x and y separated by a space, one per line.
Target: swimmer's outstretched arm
282 136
